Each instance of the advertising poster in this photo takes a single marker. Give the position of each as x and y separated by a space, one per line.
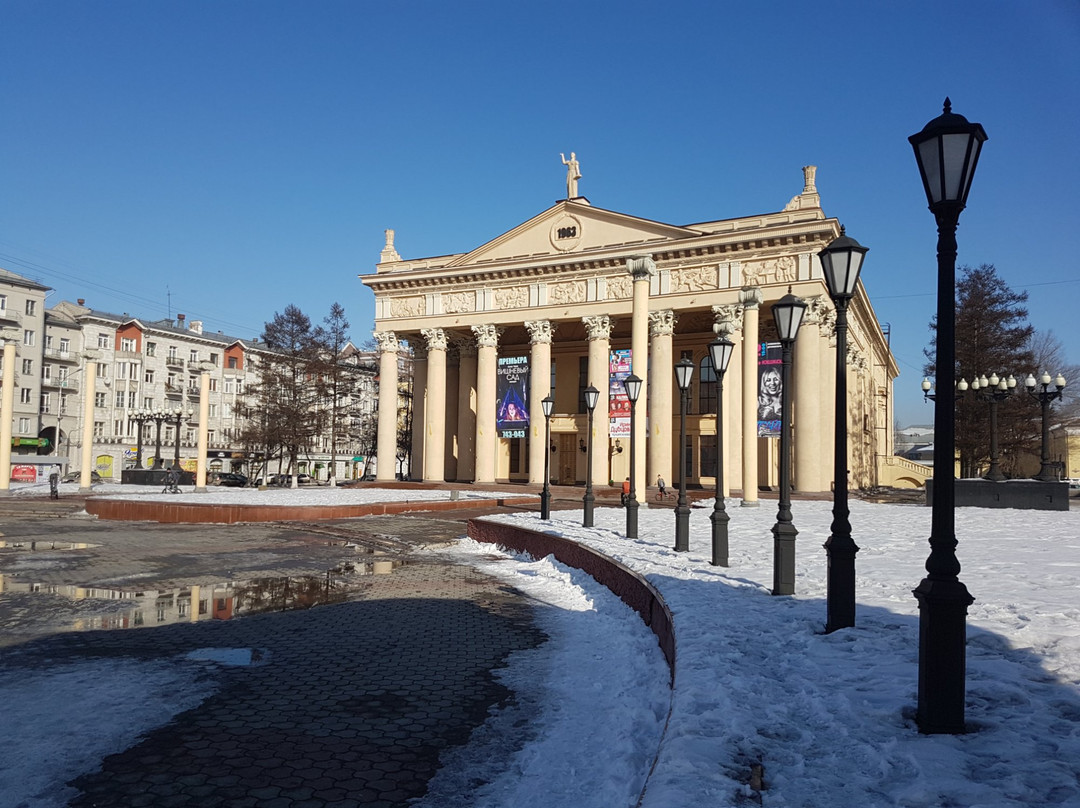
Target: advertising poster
512 396
618 404
770 390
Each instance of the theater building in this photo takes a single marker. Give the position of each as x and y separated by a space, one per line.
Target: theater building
580 296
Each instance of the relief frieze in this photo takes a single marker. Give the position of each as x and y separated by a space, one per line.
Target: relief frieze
407 307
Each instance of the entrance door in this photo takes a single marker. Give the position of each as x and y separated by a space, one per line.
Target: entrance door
568 452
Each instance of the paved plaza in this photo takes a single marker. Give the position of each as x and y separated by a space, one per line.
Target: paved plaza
343 704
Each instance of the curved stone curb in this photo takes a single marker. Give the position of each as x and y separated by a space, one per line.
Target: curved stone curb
629 586
134 510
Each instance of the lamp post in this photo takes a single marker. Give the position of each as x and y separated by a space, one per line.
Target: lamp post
684 372
158 416
947 151
140 417
591 396
929 394
1045 396
632 385
841 263
994 390
545 496
787 312
179 414
720 350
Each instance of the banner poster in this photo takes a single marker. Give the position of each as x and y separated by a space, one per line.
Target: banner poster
512 396
618 404
770 389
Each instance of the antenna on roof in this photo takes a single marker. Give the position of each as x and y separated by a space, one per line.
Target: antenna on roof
168 295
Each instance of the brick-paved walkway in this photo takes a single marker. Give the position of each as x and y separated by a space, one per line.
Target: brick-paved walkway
349 704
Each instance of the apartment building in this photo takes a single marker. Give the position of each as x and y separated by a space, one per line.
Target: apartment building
22 325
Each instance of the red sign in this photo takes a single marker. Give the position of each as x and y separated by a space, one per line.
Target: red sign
24 474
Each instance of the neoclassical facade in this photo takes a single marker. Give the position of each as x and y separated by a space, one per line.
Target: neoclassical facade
579 295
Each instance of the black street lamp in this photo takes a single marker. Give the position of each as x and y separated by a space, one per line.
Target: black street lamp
720 350
684 372
589 501
788 313
929 394
1045 396
140 417
947 151
994 391
632 385
545 496
841 263
180 414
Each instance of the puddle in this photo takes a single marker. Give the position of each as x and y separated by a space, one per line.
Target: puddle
41 546
135 606
233 657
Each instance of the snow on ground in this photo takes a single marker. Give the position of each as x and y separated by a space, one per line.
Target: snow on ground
828 717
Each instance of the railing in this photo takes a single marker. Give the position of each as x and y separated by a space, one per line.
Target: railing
174 362
62 356
10 315
63 384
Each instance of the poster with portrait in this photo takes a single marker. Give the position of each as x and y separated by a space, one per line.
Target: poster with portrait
770 389
619 367
512 396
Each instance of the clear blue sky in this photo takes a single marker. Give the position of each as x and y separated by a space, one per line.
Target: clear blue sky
224 159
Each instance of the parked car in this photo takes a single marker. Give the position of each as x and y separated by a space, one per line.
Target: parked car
231 480
73 477
285 480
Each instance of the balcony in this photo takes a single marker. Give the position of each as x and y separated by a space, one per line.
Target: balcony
60 384
174 362
61 356
174 390
193 392
10 316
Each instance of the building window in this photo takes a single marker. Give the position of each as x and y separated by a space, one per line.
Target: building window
24 426
46 372
46 403
28 367
194 356
707 461
103 340
31 307
226 410
213 385
172 352
230 387
151 348
3 302
24 395
193 382
583 382
211 437
212 410
118 428
189 436
131 399
121 370
239 387
65 345
232 363
148 403
148 377
127 344
28 337
99 429
99 399
213 359
706 387
102 370
119 400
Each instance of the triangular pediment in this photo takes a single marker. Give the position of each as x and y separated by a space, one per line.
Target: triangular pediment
571 228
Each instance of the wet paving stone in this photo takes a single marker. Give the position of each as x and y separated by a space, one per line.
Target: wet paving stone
351 703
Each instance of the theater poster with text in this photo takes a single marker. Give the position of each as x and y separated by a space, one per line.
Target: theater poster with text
512 397
770 390
619 367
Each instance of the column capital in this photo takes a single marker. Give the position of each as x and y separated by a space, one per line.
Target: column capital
387 341
818 311
750 297
728 319
598 326
540 331
487 335
662 323
436 338
641 267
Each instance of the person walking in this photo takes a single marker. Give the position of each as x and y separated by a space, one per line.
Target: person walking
662 486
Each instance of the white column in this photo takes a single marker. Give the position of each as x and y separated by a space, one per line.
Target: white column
86 463
726 324
419 409
661 408
540 333
435 407
750 297
7 414
386 446
808 428
641 269
487 339
598 328
204 426
466 428
452 451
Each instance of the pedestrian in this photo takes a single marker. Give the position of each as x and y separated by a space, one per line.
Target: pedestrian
54 483
661 485
626 491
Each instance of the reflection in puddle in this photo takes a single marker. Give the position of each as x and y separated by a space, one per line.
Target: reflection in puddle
220 600
233 657
35 546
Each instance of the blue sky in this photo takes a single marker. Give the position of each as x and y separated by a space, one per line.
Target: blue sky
225 159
